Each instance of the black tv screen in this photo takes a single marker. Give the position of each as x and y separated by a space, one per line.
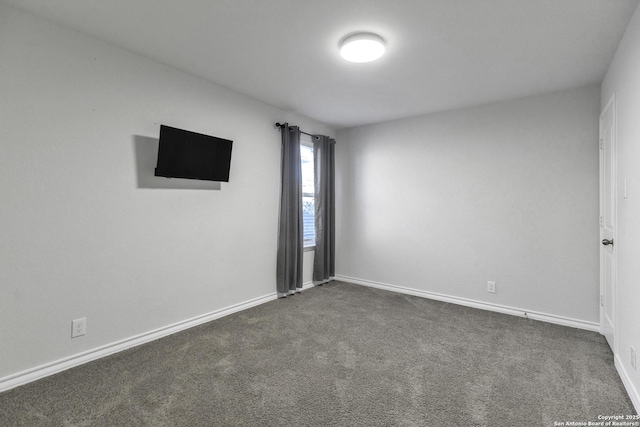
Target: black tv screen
185 154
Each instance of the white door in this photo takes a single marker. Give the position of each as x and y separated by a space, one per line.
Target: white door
608 222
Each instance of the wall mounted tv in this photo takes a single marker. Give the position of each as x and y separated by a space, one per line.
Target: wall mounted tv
185 154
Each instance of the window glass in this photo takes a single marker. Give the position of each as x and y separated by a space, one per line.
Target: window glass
308 208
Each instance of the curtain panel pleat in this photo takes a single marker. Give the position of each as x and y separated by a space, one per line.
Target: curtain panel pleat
290 236
324 177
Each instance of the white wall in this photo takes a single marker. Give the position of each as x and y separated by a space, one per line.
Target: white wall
83 233
623 79
506 192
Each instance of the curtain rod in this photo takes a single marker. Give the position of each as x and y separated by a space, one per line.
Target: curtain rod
280 126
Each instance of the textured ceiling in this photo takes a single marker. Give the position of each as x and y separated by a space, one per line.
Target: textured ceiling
441 54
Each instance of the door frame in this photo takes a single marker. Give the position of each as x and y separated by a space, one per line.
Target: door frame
614 183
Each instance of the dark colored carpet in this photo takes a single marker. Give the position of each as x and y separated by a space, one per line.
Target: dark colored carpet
339 355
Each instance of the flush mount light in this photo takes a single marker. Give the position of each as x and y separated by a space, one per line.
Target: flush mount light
362 47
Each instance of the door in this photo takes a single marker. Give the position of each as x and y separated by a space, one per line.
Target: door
608 223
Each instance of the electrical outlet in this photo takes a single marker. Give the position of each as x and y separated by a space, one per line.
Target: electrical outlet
78 327
633 358
491 287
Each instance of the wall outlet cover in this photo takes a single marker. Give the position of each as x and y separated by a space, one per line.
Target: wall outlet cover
491 287
78 327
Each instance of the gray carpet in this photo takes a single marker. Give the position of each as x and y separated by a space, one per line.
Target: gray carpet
339 355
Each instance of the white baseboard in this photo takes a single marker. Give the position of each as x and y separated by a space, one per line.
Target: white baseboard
632 391
305 286
550 318
57 366
51 368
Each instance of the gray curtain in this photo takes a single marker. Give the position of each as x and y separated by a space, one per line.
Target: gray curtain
289 257
324 174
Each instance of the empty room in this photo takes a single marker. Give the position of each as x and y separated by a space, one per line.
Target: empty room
319 213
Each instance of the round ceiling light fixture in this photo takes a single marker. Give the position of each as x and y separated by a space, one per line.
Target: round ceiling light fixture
362 47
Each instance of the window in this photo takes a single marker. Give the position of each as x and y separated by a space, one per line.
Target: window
308 191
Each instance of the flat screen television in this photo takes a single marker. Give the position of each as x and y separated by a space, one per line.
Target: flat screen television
190 155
